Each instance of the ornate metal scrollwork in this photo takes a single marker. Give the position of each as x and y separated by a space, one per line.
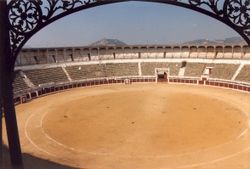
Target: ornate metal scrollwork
239 14
235 13
26 17
212 4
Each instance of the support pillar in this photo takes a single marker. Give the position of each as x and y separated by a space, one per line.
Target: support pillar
11 121
7 102
2 45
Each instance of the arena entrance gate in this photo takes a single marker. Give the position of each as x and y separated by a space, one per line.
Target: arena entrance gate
21 19
162 74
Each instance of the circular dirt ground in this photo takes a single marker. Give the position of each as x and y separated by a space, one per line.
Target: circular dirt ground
142 126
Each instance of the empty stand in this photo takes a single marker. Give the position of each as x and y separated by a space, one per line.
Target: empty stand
243 75
194 69
202 55
219 55
48 75
106 57
228 55
237 55
19 83
127 56
185 54
202 52
120 69
92 71
148 68
119 56
238 52
224 71
247 55
193 54
176 52
144 55
159 55
85 71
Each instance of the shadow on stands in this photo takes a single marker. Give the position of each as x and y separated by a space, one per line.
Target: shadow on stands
31 162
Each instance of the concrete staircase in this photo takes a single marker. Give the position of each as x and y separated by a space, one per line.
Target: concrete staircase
67 74
28 82
238 71
182 71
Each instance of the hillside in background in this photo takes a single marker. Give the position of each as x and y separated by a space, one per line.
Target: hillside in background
116 42
232 40
108 42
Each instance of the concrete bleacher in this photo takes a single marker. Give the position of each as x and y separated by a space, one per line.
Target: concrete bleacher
202 52
244 75
80 72
128 56
42 59
106 57
80 58
185 54
224 71
76 66
193 54
202 55
19 84
94 58
148 68
152 55
210 55
194 69
247 56
92 71
27 60
134 55
237 55
119 56
120 69
177 54
228 55
159 55
220 55
48 75
169 55
60 58
144 55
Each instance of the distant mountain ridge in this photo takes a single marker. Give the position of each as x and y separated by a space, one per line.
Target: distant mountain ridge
108 42
232 40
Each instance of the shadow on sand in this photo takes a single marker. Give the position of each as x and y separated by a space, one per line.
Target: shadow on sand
31 162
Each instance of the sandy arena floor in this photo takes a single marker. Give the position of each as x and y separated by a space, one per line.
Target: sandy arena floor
139 126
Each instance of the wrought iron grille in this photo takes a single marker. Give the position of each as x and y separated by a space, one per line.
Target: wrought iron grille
26 17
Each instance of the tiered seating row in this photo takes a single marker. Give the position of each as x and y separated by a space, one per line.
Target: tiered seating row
19 84
109 73
48 75
244 75
194 69
224 71
81 72
120 69
148 68
102 70
36 56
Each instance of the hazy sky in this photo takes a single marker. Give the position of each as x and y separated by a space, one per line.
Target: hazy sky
133 23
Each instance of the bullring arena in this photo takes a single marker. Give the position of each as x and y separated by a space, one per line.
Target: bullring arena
165 107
